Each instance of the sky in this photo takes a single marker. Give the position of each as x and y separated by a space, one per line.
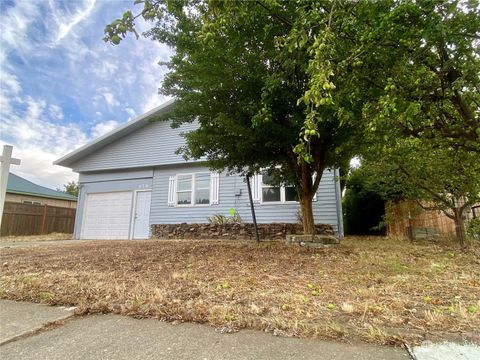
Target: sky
62 86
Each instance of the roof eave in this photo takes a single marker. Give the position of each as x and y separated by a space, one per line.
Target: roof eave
41 195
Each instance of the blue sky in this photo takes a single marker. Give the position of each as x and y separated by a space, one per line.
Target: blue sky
61 85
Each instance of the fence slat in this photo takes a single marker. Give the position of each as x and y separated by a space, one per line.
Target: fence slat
408 214
29 219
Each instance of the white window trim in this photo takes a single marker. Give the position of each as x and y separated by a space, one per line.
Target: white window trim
193 189
31 202
282 193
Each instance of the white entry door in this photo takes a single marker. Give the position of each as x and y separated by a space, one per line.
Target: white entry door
141 222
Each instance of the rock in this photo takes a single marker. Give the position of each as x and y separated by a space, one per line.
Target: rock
232 231
305 240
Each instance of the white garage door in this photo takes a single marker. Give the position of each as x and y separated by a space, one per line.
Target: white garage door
107 216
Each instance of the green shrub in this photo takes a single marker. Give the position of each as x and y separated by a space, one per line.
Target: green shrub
473 228
219 219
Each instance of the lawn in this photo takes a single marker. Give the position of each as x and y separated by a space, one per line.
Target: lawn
30 238
375 289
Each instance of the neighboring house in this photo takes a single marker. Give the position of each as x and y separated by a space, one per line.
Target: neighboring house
131 179
20 190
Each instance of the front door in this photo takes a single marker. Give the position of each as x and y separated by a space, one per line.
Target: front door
141 222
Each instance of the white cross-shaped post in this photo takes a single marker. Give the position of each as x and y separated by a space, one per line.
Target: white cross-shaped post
5 161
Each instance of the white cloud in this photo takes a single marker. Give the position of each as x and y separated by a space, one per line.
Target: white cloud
110 99
103 128
131 112
152 102
9 82
38 142
106 69
36 166
65 26
51 54
9 89
15 24
55 112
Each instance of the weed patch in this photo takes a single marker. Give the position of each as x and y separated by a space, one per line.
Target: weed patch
380 290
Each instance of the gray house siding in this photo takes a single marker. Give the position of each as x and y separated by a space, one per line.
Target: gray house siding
324 208
149 146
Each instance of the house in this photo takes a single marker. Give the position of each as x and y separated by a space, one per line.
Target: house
20 190
131 179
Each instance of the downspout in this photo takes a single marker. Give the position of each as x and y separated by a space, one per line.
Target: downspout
338 197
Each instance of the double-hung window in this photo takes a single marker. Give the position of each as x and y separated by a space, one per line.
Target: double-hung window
276 193
270 192
184 189
193 189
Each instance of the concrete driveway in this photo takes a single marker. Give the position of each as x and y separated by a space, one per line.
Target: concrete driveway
119 337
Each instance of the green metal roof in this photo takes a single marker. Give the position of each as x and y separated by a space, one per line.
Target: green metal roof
19 185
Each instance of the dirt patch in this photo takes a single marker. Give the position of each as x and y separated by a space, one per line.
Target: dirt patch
32 238
380 290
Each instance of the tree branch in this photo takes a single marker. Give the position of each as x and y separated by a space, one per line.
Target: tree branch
432 193
275 15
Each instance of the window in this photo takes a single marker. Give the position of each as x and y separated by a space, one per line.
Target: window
270 193
193 189
202 188
32 202
184 189
290 193
276 193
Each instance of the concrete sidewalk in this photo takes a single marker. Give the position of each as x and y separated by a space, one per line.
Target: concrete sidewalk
119 337
21 318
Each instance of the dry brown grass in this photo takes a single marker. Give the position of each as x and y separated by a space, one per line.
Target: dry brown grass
30 238
380 290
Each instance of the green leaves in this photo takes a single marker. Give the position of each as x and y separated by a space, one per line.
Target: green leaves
115 39
308 84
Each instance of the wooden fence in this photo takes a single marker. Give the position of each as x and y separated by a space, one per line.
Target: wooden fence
407 216
27 219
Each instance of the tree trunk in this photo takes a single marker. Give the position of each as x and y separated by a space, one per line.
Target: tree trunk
307 214
459 226
308 189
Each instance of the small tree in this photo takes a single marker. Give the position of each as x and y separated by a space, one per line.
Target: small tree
437 178
71 188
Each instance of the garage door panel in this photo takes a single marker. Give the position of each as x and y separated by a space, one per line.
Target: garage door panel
107 215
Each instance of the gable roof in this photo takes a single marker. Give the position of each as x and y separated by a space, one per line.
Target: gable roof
113 135
19 185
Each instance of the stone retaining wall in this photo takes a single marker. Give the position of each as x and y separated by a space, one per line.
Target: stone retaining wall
243 231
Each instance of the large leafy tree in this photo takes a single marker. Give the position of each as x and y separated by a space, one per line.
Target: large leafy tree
246 71
429 52
424 131
283 85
